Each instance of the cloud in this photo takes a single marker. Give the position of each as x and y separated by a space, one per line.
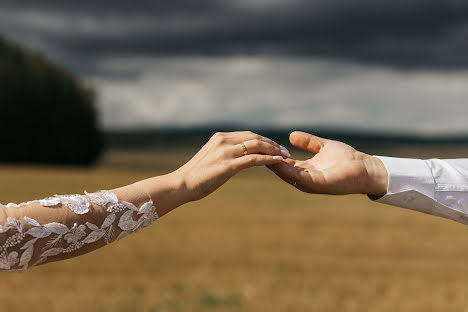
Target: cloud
279 92
389 64
397 33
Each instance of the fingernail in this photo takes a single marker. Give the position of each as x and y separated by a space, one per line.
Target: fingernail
285 152
277 157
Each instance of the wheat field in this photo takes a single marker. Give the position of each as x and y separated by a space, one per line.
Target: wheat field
255 245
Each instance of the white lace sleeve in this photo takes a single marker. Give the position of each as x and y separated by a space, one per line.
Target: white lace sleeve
66 226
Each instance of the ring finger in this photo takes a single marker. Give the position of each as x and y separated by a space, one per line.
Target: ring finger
257 146
242 136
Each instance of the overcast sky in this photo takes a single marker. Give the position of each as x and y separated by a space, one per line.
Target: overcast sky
396 65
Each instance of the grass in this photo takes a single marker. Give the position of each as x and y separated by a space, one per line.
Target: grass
255 245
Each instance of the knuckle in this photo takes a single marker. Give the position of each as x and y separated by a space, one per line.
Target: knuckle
219 139
214 137
218 135
257 136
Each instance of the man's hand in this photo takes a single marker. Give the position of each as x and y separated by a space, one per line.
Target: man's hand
337 168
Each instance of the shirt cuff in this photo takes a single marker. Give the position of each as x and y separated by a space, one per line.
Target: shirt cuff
406 175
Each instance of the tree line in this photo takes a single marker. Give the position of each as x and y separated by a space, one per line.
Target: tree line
47 114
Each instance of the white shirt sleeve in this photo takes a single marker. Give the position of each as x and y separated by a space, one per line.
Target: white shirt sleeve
434 186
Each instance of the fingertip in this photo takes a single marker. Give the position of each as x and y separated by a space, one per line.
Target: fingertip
306 141
272 161
293 135
285 152
297 136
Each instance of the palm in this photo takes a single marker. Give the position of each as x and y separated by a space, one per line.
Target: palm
334 170
337 168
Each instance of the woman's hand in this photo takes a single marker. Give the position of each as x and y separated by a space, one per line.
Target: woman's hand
224 156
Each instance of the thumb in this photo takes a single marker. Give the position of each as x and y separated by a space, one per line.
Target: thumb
307 141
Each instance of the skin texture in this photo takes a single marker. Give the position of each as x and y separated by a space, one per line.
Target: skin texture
220 159
336 168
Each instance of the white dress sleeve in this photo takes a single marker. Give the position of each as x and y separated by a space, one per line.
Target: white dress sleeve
65 226
434 186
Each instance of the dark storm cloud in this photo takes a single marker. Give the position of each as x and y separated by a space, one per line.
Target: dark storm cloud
399 33
157 7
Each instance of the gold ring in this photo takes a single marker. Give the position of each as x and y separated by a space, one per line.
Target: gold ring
244 148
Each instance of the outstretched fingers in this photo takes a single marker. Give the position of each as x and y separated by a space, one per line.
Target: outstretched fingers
243 136
307 141
253 160
258 146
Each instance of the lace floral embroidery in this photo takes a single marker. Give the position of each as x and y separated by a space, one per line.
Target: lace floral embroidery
61 239
77 203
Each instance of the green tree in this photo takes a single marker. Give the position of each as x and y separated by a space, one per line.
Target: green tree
47 114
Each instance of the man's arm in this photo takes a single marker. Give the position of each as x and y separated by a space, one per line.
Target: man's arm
434 186
438 187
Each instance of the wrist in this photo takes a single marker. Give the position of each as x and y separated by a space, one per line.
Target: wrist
377 183
178 185
167 191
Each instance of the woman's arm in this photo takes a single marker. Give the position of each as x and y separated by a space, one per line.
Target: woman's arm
65 226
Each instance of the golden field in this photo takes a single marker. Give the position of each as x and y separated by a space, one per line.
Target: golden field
255 245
